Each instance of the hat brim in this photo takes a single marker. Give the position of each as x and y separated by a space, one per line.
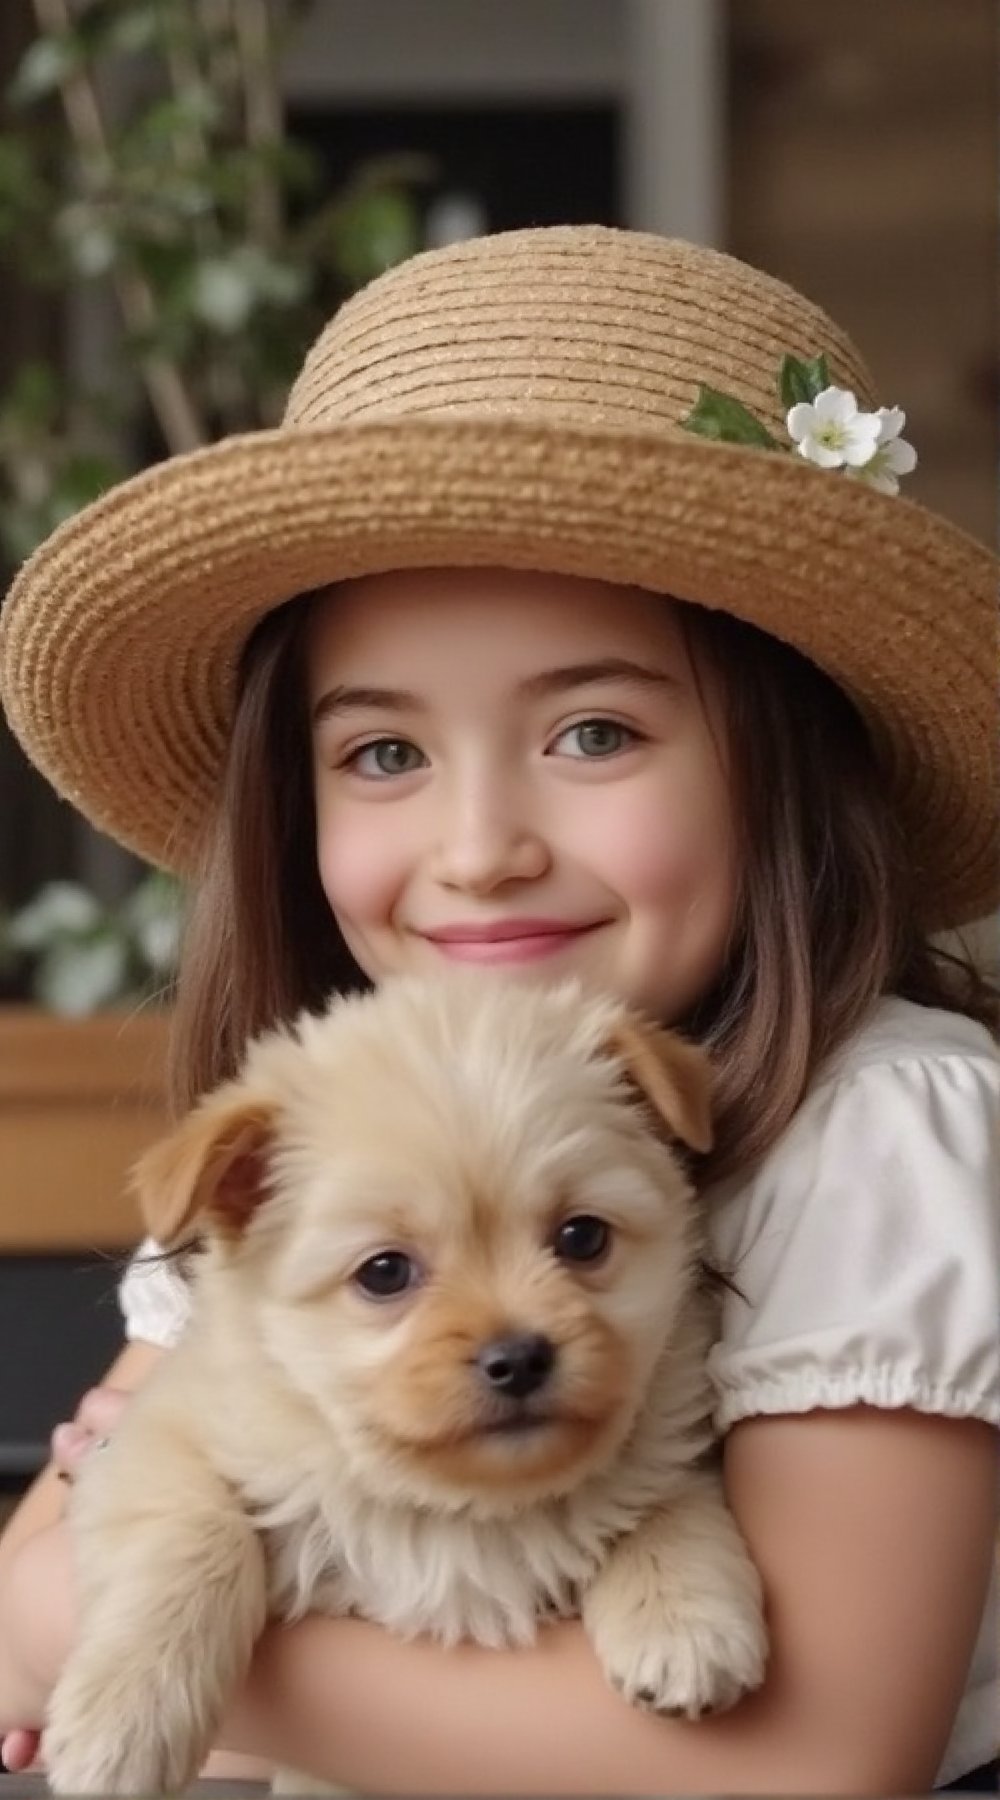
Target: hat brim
121 636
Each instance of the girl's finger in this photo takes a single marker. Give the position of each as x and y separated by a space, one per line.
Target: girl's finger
69 1443
100 1410
19 1750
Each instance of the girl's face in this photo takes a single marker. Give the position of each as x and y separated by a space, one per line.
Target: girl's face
517 771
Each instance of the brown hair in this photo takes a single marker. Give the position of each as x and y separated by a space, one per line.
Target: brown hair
826 921
827 916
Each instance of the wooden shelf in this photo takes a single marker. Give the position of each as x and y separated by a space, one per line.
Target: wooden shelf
80 1099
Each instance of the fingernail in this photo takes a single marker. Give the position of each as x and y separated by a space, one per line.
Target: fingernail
68 1437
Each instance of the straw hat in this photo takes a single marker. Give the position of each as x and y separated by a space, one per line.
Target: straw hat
515 400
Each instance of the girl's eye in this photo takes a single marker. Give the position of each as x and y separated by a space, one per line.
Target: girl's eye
384 1276
384 757
595 738
583 1239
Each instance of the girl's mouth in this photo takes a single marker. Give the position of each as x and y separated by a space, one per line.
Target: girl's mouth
513 941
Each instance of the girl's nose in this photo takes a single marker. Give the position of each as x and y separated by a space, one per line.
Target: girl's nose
482 849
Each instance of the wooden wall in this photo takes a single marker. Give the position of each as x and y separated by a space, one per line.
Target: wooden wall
863 168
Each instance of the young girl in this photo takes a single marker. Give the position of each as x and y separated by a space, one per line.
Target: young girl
572 622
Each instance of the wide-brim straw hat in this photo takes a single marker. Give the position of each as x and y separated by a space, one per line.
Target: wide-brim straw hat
516 400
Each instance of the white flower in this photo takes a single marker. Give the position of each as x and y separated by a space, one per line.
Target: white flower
893 455
831 432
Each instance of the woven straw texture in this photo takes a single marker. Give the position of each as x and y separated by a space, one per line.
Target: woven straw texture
515 401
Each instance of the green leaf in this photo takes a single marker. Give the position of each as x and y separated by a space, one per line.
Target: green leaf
60 910
800 381
151 914
76 978
197 109
727 420
17 168
371 232
134 30
44 66
223 294
90 245
31 402
83 478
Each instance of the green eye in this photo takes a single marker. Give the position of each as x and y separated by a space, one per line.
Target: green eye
583 1239
386 756
384 1276
594 738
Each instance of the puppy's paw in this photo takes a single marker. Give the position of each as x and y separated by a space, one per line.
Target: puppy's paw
684 1670
108 1733
679 1659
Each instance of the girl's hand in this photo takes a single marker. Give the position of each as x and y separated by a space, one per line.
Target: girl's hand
19 1750
95 1419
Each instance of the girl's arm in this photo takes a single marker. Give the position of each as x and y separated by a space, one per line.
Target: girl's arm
40 1510
37 1613
43 1503
874 1533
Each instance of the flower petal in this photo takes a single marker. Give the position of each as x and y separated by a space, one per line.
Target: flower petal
875 477
835 406
898 456
816 452
892 419
801 420
861 441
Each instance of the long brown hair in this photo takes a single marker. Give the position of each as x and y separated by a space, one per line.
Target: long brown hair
827 917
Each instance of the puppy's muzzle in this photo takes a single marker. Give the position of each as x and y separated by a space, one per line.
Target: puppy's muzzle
514 1367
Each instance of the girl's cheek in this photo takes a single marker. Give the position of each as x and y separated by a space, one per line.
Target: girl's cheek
661 847
361 863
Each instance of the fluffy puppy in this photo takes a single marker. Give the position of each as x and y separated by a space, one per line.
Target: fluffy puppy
446 1369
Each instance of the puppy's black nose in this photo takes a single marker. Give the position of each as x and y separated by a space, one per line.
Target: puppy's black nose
518 1365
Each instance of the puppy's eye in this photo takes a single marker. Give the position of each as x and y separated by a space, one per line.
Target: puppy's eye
386 1275
583 1239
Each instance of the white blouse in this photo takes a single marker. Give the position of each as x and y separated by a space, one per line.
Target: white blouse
866 1253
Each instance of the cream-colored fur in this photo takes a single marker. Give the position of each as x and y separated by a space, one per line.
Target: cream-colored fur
309 1447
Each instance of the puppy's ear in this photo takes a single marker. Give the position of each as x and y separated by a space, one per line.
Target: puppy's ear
213 1168
674 1076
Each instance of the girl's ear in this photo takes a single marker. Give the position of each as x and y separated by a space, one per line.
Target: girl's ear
674 1076
212 1168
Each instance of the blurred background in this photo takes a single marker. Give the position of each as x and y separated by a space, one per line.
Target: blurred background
187 187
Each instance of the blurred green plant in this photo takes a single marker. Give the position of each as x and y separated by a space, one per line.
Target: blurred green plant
144 151
81 956
145 154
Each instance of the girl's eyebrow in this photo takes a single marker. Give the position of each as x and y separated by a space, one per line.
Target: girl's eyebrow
608 668
356 699
342 699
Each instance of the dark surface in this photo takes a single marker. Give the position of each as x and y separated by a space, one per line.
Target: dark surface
537 163
60 1327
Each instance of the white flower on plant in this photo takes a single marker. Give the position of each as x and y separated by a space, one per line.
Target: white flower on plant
825 423
893 455
832 432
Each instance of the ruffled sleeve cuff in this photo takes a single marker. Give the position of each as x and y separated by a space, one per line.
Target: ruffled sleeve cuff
868 1250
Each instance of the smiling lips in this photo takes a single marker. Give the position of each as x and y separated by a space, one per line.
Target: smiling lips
508 940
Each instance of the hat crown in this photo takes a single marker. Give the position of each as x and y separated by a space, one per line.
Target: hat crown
582 324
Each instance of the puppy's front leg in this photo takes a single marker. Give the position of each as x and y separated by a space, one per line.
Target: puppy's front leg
173 1597
676 1613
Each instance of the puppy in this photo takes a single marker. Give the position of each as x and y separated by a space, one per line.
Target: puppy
446 1369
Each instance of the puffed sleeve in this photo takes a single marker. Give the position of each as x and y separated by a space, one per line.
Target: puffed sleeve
154 1297
867 1249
